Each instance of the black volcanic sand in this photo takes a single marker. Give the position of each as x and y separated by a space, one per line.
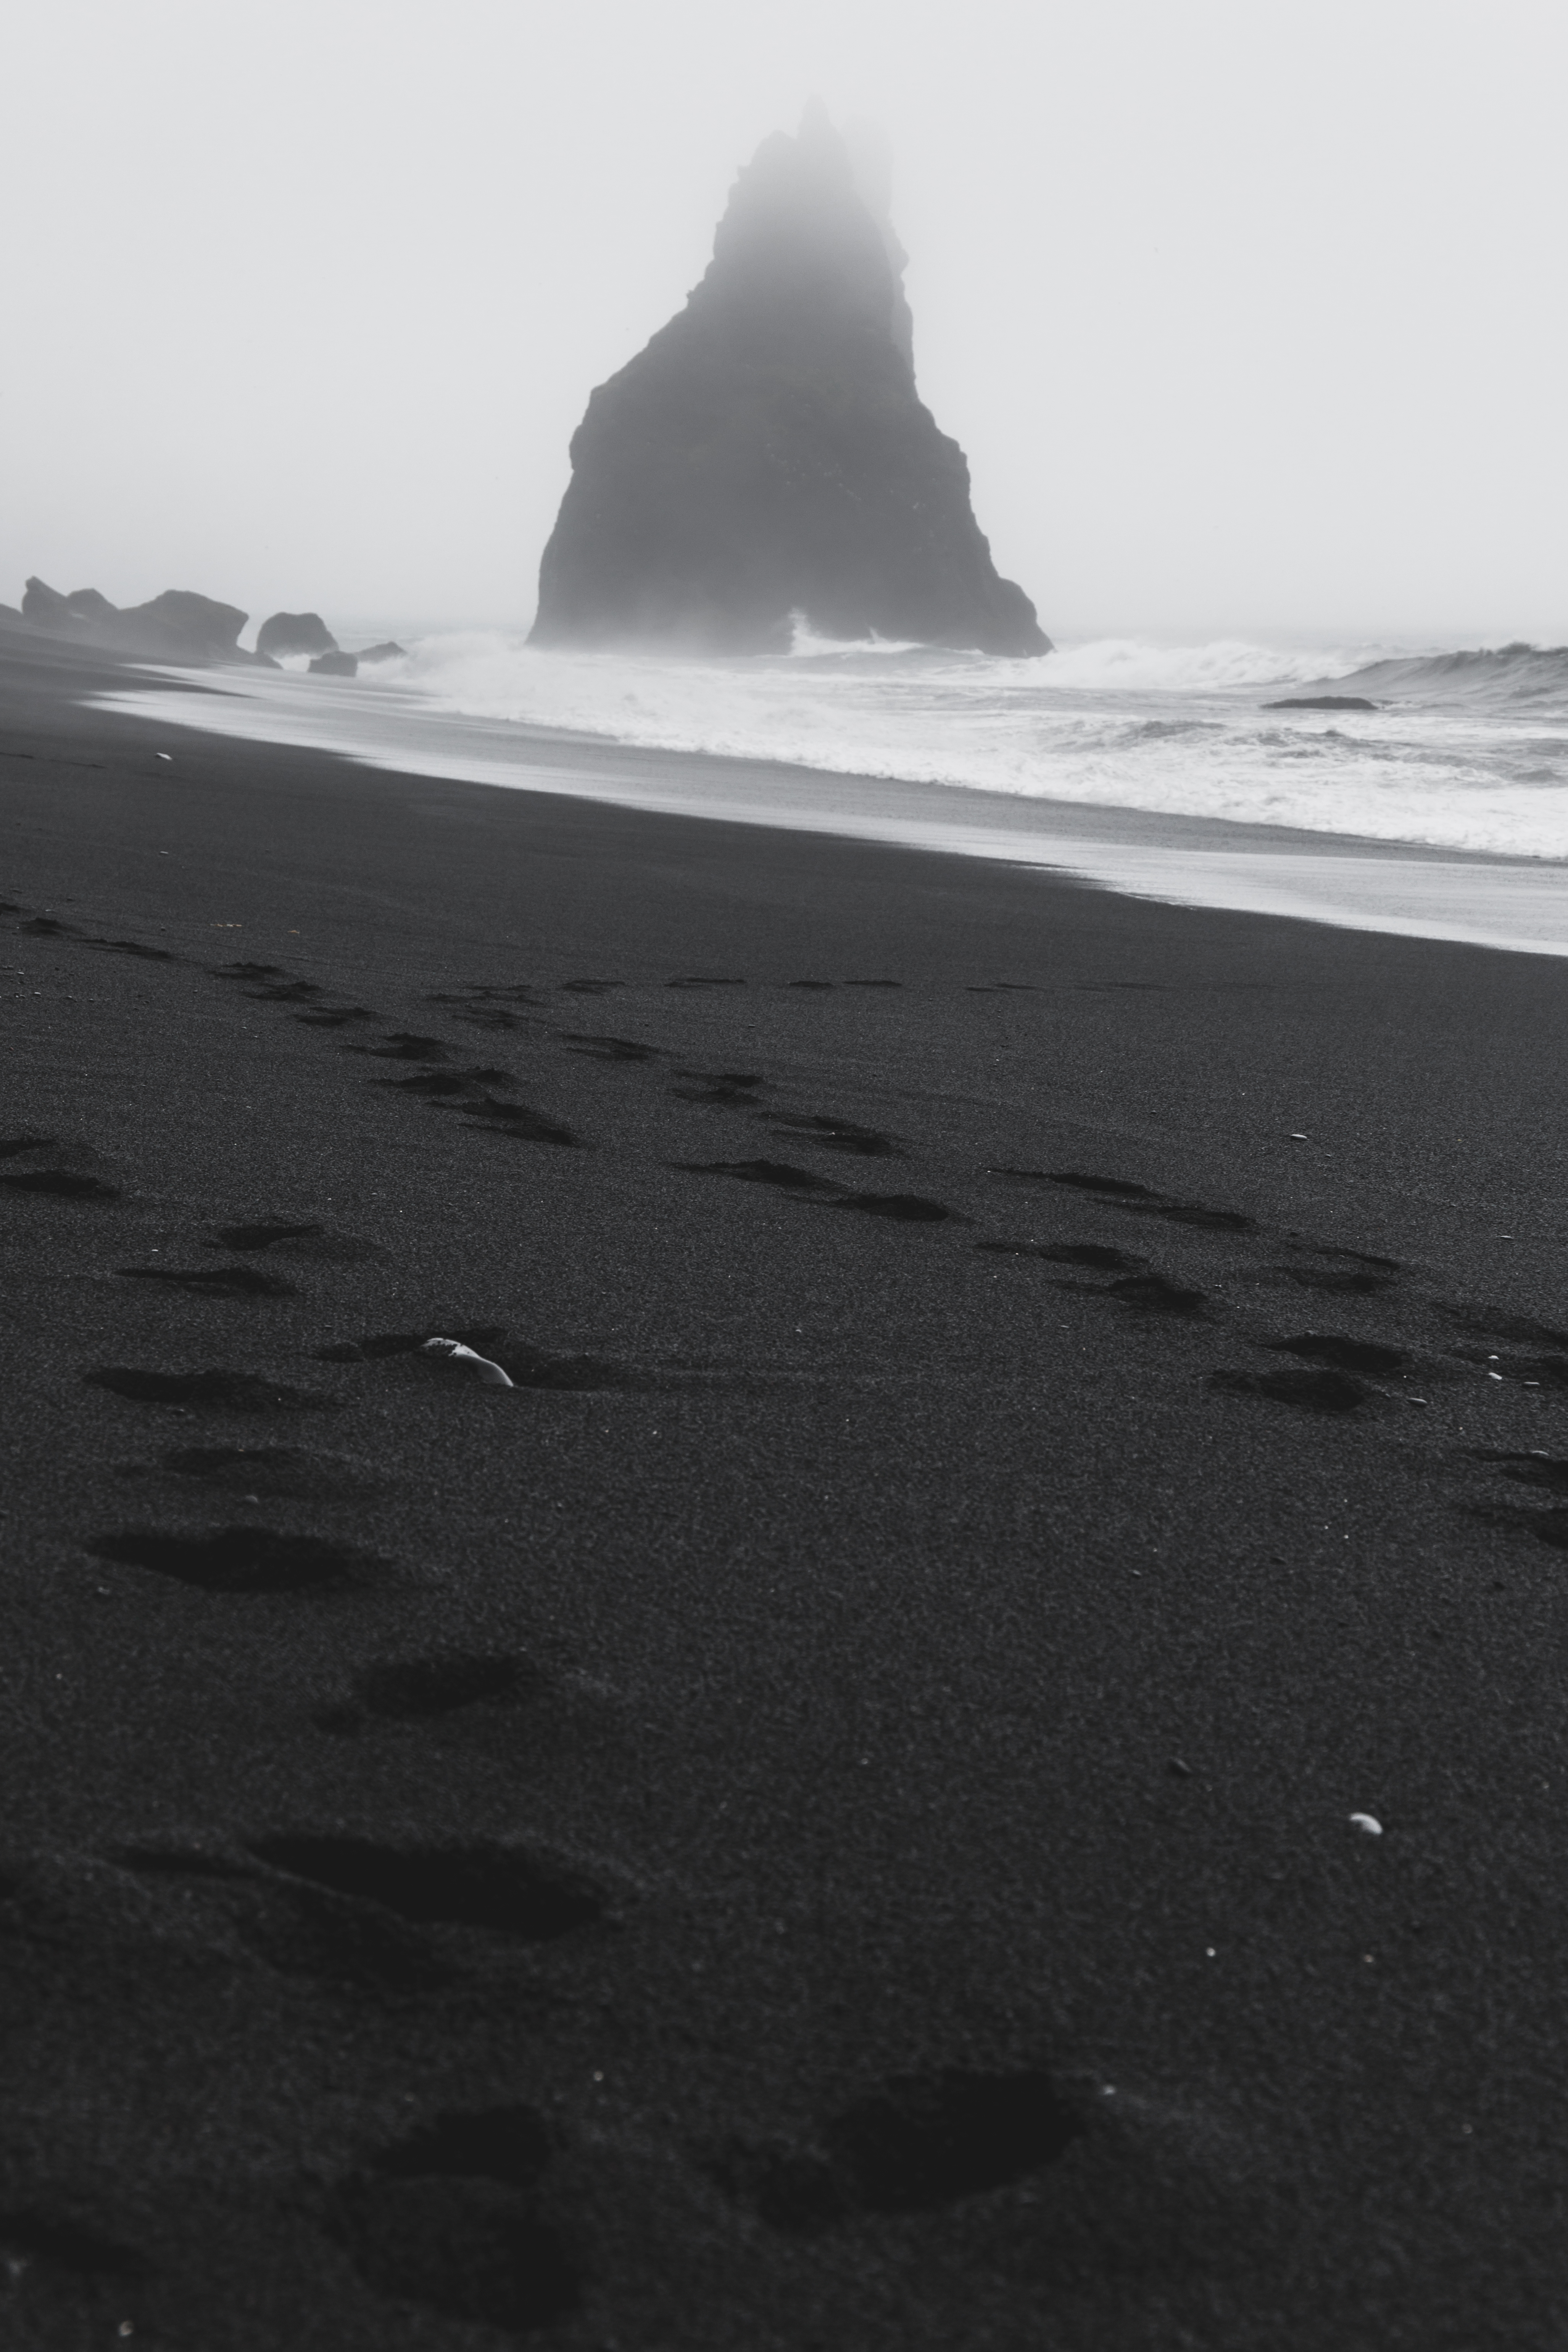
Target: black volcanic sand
821 1818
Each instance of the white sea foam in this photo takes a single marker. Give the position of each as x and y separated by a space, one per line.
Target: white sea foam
1469 755
1110 761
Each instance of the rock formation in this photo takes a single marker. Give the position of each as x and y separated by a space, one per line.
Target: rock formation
295 632
336 664
767 452
177 627
388 650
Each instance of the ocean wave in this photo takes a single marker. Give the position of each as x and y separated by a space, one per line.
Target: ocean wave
1517 673
1450 758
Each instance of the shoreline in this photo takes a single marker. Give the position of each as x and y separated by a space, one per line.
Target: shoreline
1033 1409
1414 890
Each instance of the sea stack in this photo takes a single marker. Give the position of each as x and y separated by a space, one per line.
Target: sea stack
767 455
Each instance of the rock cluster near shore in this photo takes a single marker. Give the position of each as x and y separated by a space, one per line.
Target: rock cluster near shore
767 455
182 627
177 627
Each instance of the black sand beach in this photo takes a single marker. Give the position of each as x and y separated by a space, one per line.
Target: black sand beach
823 1817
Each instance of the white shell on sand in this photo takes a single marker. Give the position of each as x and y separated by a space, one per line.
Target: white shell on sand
465 1360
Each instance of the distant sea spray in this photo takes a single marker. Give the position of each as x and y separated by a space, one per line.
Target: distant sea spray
1466 750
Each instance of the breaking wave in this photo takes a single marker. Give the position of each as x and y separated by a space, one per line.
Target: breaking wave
1465 750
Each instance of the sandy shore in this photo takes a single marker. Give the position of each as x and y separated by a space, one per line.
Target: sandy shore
1360 884
822 1816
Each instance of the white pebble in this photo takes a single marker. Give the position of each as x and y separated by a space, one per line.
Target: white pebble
1367 1821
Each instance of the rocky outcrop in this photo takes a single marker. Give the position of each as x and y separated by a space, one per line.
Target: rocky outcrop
388 650
178 626
335 665
182 625
84 609
295 632
1323 702
768 454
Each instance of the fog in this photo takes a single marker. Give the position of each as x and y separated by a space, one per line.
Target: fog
1251 318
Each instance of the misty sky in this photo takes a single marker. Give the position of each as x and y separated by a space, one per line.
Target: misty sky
1251 315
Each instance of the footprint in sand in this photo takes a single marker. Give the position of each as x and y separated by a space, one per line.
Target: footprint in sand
489 1008
918 2144
1096 1255
337 1016
776 1172
505 1889
48 1166
448 2218
904 1208
243 1559
308 1242
134 947
522 1123
406 1045
728 1089
1140 1199
406 1690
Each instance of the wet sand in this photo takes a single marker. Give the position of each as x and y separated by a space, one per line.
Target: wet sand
823 1815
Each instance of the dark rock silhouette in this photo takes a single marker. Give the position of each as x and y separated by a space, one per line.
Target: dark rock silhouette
335 665
388 650
83 609
767 452
295 632
177 627
1323 702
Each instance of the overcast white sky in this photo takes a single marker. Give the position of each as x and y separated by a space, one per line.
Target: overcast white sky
1252 315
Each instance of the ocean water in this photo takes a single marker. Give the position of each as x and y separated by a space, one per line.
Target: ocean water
1159 771
1467 750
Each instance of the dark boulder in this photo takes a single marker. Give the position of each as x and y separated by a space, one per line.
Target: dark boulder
768 454
180 625
295 632
1323 702
390 650
335 665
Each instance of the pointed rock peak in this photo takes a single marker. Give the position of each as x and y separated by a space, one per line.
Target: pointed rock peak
767 456
798 234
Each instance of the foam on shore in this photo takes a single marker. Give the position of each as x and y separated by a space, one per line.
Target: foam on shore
1181 855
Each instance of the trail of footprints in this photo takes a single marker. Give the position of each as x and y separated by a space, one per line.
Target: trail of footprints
1330 1372
458 2215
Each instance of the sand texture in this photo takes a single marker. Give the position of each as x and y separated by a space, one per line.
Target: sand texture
821 1816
